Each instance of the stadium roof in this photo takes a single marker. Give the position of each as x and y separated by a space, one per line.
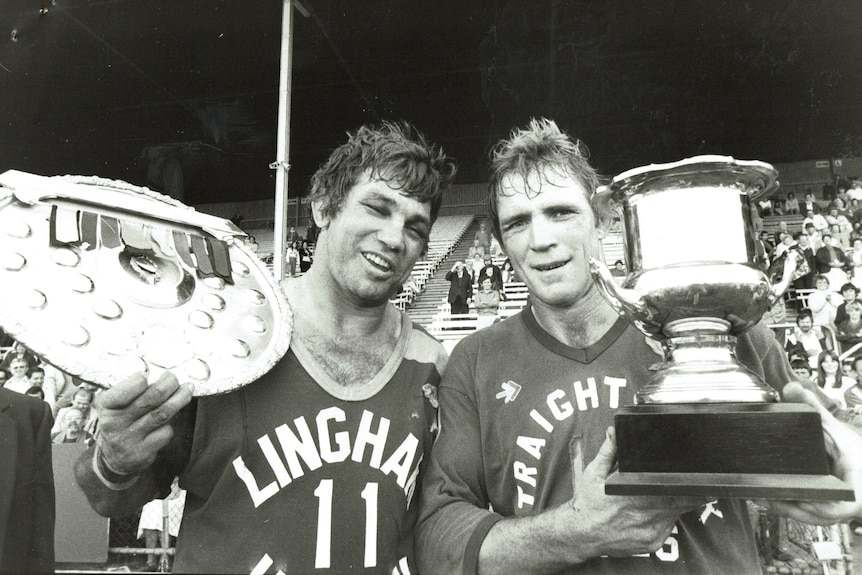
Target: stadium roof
120 88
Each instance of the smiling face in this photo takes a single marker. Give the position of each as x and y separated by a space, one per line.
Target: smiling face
829 364
549 236
372 243
18 368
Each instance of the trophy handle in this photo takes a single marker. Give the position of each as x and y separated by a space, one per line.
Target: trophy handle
628 303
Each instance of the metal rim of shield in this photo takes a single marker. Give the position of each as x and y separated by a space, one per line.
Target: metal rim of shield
104 280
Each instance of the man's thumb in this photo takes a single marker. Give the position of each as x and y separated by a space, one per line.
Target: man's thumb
603 463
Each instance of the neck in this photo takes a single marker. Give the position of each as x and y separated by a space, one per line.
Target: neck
315 302
579 325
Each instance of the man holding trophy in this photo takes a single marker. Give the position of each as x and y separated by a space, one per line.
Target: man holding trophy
517 480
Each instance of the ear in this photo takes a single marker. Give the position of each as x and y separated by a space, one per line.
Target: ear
606 211
320 219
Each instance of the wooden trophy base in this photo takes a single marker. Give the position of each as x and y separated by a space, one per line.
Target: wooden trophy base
739 450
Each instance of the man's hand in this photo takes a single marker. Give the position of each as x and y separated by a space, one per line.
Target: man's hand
622 525
134 420
844 446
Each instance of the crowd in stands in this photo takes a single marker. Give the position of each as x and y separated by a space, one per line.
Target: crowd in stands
75 418
480 280
826 343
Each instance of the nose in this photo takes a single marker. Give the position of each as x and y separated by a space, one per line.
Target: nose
391 233
542 234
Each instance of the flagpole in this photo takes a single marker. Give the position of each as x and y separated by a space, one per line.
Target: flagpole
281 164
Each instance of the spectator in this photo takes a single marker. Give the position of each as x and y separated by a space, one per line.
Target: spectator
805 281
151 524
816 219
460 289
72 428
801 369
764 250
849 331
848 292
809 205
786 269
765 206
791 204
292 257
507 273
293 235
807 340
779 233
37 392
18 351
19 381
841 236
830 261
477 249
483 234
311 233
785 242
856 263
824 303
855 191
27 487
305 257
492 272
251 244
58 387
487 303
4 376
36 377
814 237
830 378
82 401
477 262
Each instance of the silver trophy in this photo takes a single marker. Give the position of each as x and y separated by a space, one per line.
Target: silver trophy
105 280
704 424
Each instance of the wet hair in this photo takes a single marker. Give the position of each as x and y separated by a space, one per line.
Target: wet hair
531 151
395 153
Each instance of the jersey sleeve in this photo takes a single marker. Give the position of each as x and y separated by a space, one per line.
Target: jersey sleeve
453 514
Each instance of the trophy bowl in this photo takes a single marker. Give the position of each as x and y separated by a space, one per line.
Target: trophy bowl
704 424
693 282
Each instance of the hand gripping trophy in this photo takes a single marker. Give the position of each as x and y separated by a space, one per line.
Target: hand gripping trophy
704 424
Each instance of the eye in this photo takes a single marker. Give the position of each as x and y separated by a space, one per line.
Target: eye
377 209
513 225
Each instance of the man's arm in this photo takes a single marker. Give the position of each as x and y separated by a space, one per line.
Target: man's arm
844 446
843 440
117 474
458 533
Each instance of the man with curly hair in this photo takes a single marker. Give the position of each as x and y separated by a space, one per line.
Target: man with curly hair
313 467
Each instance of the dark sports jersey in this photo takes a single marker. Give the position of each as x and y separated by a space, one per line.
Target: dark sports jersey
511 422
297 474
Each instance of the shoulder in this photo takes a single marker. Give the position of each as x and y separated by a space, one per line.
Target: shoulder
23 409
422 347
